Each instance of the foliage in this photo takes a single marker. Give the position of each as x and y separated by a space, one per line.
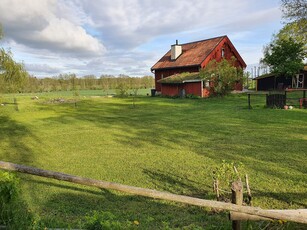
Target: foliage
181 77
225 174
106 83
248 82
14 211
103 221
293 30
294 10
284 57
71 82
12 74
192 96
8 187
222 75
122 90
288 49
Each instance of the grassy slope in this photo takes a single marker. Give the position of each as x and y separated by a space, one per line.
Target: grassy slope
164 144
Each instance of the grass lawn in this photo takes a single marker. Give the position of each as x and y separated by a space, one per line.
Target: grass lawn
164 144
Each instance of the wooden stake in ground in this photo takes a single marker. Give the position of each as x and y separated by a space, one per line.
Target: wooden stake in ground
216 189
236 198
249 194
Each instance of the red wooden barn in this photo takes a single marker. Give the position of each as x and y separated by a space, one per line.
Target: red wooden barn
190 58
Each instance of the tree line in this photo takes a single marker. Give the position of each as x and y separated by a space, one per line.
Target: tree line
71 82
17 80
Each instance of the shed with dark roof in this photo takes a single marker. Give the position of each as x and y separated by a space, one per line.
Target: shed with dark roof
272 81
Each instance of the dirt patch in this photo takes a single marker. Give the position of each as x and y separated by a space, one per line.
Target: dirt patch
60 101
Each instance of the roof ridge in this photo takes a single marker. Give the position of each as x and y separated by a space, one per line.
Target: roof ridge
223 36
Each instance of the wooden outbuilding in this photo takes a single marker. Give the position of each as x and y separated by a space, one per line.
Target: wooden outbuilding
191 58
269 82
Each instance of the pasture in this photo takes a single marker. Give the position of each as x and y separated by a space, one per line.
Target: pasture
160 143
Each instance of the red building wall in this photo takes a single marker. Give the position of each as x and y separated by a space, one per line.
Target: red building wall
171 89
229 52
194 88
238 86
163 73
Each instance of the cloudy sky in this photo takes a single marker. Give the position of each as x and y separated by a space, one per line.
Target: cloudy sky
127 36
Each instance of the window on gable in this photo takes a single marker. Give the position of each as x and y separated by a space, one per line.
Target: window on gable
223 53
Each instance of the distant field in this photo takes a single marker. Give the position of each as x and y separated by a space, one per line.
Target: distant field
160 143
141 92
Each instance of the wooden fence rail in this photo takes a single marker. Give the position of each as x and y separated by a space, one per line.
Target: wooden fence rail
299 216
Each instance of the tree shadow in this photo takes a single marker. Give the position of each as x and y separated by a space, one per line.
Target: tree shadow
12 139
287 198
175 184
137 126
69 206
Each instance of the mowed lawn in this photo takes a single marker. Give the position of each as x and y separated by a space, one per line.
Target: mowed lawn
160 143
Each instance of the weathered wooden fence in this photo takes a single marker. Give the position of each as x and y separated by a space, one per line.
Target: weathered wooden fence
278 99
299 215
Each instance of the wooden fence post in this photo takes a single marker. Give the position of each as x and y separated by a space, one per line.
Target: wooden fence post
237 198
16 104
249 100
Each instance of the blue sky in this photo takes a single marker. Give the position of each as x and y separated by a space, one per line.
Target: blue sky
115 37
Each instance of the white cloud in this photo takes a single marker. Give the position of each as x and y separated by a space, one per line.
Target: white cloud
39 68
64 35
36 24
26 12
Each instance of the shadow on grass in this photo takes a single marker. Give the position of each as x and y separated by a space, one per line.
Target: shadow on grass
12 139
287 198
69 206
136 126
175 184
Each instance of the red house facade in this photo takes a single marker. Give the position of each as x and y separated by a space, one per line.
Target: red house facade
190 58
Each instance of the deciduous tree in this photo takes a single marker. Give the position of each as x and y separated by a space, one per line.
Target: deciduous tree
295 14
222 75
294 10
12 75
292 31
284 57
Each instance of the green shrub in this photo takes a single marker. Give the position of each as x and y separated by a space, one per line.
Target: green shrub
192 96
103 221
122 90
14 212
225 174
8 187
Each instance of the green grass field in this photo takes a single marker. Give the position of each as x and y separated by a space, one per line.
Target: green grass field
164 144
